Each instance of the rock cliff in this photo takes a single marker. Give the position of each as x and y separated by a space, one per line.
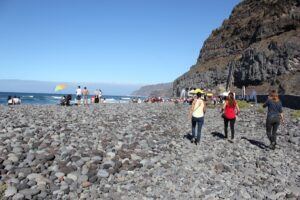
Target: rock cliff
258 46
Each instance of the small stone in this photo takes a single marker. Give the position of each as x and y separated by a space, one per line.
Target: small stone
42 195
86 184
13 158
83 178
96 158
72 176
102 173
10 191
59 174
108 164
33 176
18 196
84 170
30 192
110 155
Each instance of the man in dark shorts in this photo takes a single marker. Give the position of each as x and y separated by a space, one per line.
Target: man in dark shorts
78 95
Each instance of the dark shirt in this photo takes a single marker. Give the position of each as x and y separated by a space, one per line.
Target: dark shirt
274 108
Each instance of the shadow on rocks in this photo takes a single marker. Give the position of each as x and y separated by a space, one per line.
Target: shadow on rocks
218 134
188 136
259 144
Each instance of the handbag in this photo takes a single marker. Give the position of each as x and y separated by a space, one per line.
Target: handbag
223 115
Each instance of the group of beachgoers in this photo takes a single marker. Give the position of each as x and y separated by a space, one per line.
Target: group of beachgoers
83 94
186 96
230 110
13 100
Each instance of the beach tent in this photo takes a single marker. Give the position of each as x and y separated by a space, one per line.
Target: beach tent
224 94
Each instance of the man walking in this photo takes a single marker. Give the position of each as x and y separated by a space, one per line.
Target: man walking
78 95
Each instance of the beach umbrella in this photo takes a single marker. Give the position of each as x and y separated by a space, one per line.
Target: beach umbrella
198 91
60 87
192 91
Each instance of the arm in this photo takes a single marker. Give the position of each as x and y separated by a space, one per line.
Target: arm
281 113
204 107
237 108
191 109
266 103
223 108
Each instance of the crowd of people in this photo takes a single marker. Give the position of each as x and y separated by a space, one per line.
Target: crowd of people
230 110
82 96
13 100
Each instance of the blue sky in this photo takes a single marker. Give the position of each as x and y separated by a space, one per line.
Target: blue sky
114 41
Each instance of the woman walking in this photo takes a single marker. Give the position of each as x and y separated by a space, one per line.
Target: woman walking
230 110
274 116
197 116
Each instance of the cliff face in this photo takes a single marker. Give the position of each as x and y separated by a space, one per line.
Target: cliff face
158 90
258 46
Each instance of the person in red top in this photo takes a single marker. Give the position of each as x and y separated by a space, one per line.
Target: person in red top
230 110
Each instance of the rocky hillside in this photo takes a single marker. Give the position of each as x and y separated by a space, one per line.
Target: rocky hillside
158 90
258 46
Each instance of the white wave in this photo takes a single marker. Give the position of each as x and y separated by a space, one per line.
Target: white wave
56 97
125 98
28 96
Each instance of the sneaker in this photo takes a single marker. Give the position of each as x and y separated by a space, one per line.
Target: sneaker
272 146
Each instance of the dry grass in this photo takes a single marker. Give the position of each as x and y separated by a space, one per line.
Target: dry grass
296 114
243 104
2 190
260 110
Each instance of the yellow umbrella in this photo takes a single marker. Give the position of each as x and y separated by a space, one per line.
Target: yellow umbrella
60 87
198 91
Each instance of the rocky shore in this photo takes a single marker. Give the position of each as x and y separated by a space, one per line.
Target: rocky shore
140 151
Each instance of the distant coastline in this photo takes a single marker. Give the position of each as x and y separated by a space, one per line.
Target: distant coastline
46 87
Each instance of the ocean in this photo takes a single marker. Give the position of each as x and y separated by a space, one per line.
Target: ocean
52 99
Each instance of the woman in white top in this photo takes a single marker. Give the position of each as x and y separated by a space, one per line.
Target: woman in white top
197 116
78 95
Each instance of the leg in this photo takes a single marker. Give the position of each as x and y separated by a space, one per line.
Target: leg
200 124
269 129
232 122
193 127
225 127
274 131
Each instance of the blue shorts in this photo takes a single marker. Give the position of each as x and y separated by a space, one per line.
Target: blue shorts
78 97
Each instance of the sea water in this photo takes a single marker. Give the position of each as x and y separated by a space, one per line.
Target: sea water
46 99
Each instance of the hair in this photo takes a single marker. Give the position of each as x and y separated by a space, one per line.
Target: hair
85 88
199 95
274 95
230 99
78 86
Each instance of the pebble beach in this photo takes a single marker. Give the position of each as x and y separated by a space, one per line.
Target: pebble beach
141 151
